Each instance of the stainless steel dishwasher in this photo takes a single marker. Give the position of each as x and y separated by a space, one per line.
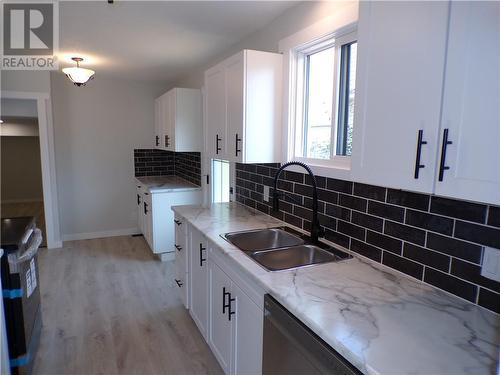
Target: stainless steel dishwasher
292 348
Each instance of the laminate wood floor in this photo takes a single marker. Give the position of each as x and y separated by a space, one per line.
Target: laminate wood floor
110 308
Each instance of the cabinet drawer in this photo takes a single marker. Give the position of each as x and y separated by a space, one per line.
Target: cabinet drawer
181 283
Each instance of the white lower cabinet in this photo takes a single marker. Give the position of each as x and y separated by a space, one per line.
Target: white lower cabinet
198 277
226 306
220 336
236 325
248 333
156 219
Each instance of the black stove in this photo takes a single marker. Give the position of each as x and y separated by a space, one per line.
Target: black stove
20 240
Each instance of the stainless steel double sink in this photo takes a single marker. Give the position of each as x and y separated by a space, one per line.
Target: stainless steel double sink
282 248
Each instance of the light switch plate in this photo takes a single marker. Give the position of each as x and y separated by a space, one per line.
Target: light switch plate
491 264
266 193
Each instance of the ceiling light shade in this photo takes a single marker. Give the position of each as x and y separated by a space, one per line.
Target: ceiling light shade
79 76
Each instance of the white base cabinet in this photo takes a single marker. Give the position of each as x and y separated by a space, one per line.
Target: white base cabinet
226 306
156 219
198 281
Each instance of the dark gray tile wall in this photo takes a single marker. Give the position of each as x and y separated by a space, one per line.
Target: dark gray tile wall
153 162
188 166
436 240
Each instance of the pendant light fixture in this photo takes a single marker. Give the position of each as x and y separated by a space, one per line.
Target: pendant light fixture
79 76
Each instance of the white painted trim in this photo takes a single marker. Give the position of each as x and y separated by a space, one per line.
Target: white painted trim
49 182
342 22
103 234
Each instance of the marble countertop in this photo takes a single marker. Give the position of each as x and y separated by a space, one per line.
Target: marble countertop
163 184
381 321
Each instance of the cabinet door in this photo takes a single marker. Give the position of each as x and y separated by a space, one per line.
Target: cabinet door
148 220
167 121
399 85
181 282
181 243
247 330
220 338
471 104
235 74
140 215
215 110
198 273
169 138
158 123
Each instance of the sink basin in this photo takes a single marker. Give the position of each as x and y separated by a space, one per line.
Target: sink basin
296 256
263 239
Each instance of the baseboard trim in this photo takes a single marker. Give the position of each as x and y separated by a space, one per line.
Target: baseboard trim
103 234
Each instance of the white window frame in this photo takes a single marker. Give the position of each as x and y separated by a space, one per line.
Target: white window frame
339 29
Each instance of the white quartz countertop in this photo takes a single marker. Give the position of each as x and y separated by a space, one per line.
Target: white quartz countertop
163 184
381 321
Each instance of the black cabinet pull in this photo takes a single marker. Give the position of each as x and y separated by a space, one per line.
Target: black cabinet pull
420 142
179 283
145 208
201 255
217 140
224 305
442 165
237 140
230 307
177 222
157 140
138 200
167 141
178 247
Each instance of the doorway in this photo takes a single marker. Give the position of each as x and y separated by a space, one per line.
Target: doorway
21 169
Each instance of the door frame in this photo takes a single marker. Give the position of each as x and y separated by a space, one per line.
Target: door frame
47 156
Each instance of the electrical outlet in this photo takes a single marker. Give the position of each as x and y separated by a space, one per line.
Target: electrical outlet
266 193
491 264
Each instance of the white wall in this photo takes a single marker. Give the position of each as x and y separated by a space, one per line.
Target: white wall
25 80
267 39
96 130
21 170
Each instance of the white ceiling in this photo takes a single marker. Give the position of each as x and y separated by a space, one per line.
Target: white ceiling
157 40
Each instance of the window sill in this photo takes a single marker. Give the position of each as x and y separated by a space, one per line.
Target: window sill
339 169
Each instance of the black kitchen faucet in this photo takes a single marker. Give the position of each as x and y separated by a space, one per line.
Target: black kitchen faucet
316 230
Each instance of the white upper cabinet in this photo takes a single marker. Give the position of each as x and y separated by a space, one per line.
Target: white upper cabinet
471 105
243 108
401 57
178 120
215 112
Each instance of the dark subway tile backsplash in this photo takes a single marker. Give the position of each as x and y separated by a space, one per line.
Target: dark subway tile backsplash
436 240
153 162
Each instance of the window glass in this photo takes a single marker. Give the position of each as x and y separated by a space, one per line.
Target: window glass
220 181
319 97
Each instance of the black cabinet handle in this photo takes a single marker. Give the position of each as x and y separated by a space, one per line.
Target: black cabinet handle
157 140
178 247
230 307
224 305
201 255
237 140
177 222
420 142
442 165
167 141
217 140
145 208
138 200
179 283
